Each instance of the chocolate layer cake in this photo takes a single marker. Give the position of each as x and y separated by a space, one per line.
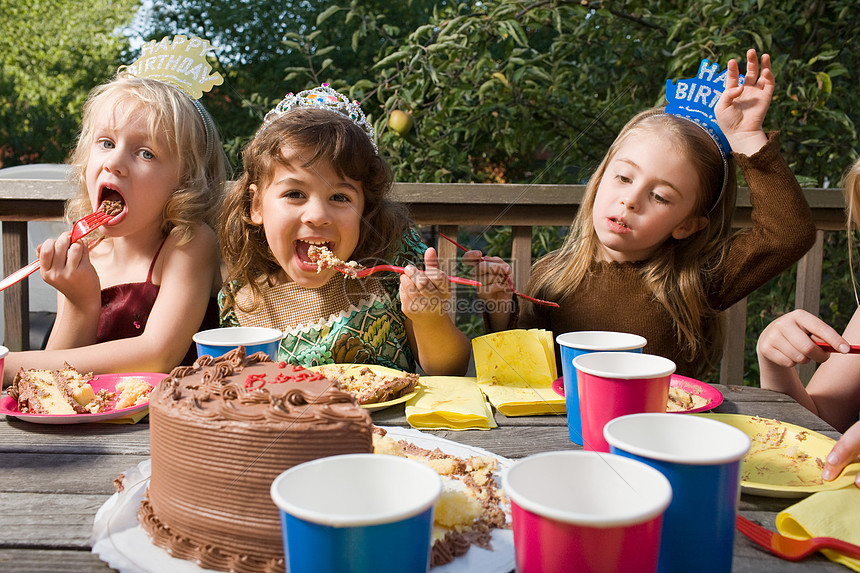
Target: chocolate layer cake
220 432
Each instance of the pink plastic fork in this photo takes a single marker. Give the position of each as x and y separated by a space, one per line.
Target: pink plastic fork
80 229
793 549
394 269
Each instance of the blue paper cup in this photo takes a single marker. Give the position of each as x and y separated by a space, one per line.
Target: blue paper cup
362 513
702 460
220 341
573 344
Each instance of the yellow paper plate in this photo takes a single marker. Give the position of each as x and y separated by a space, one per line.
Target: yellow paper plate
784 460
387 403
332 370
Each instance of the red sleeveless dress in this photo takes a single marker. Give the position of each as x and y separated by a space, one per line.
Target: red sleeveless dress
126 308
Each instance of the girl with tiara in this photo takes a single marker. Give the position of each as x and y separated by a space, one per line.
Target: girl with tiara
314 181
833 393
131 298
651 249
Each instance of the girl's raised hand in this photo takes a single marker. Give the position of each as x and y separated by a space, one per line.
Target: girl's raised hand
741 109
425 294
493 273
66 266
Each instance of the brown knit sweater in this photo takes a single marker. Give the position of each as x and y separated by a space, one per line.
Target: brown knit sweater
614 297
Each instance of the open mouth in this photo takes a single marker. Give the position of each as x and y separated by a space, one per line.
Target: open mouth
111 201
303 246
620 223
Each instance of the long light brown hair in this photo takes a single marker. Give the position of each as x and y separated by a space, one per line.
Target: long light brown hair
171 114
321 135
677 274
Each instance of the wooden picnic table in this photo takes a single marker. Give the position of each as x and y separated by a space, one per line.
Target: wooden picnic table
53 479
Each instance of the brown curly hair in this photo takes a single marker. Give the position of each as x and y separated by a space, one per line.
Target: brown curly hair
322 135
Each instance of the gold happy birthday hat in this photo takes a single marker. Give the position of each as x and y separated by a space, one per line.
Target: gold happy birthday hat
181 63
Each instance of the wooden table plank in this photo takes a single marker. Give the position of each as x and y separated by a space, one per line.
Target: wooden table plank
20 436
57 561
65 473
48 520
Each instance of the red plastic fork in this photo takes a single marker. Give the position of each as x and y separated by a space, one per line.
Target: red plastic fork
400 270
854 349
510 282
82 227
793 549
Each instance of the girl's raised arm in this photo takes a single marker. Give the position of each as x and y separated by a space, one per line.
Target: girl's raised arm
188 274
440 347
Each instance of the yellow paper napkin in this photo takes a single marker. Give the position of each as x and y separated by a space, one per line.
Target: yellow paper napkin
516 369
449 403
826 514
130 419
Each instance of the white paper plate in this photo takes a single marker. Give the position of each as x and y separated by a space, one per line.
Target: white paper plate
119 540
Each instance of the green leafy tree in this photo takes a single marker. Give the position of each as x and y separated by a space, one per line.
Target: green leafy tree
52 53
527 92
267 49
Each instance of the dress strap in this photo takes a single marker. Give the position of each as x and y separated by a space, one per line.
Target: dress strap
155 258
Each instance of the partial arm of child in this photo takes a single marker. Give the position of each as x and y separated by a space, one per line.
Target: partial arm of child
782 227
440 347
834 391
187 277
496 293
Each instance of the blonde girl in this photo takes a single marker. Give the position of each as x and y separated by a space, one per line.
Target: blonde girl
833 393
313 177
651 249
131 298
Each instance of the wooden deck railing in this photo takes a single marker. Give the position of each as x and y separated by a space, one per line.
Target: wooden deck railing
449 206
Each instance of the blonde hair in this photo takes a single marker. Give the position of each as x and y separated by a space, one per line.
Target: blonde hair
170 114
851 192
679 271
322 135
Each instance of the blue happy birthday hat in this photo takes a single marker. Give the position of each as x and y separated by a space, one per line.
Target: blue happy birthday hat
695 99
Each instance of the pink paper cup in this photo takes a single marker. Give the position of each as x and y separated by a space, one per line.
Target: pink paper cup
586 512
613 384
573 344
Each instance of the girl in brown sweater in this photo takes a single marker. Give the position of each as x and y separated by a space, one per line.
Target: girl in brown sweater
651 250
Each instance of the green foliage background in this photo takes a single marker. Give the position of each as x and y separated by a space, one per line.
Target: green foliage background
501 90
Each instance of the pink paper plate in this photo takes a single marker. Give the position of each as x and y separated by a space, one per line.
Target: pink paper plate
703 389
9 407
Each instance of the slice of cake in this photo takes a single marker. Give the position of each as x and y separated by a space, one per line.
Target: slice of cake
471 505
221 431
65 391
327 259
132 392
371 384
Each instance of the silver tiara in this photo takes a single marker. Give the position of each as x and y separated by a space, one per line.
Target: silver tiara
324 97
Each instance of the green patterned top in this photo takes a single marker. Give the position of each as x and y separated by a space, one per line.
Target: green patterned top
345 321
